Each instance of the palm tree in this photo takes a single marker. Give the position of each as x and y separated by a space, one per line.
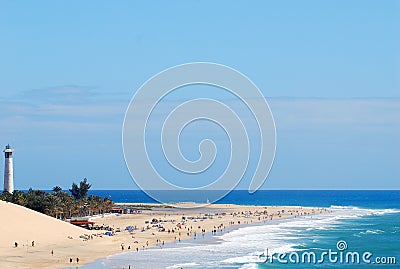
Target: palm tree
59 202
57 189
81 191
19 198
107 204
6 196
95 204
51 205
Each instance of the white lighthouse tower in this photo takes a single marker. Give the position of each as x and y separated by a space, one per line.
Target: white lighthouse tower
8 170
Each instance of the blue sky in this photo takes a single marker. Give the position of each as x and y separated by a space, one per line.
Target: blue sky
330 71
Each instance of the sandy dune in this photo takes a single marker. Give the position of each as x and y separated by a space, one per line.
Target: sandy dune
22 225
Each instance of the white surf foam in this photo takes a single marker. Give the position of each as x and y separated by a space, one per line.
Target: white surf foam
249 266
183 265
243 247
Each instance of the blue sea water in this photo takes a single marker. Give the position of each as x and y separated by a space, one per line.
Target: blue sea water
319 198
364 221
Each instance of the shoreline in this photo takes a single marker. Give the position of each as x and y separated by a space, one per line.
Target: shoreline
209 239
198 220
243 248
170 243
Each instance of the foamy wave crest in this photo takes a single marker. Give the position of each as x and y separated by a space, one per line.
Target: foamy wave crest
353 211
386 211
249 266
183 265
377 231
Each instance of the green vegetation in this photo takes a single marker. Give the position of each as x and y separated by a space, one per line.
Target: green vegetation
81 191
59 203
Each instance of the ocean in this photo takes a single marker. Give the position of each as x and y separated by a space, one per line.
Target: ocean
361 231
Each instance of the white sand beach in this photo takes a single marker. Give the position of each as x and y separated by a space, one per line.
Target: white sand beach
56 241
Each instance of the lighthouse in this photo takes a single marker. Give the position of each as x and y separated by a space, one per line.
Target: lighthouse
8 170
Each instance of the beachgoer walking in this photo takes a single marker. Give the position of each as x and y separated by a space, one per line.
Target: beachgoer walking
52 252
33 243
70 260
77 260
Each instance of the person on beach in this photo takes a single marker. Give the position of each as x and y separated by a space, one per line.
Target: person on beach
70 260
52 252
77 260
33 243
16 244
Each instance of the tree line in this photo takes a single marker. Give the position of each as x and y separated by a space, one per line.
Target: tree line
59 203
